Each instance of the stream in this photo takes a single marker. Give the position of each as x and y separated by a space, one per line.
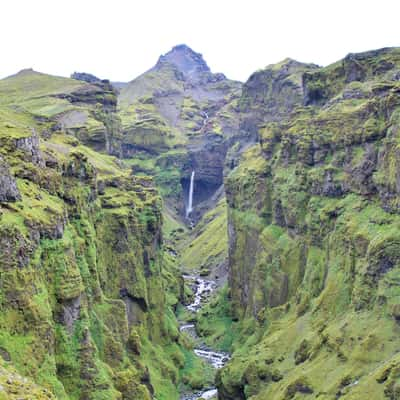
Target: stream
202 288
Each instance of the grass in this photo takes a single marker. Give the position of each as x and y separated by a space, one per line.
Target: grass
207 247
215 323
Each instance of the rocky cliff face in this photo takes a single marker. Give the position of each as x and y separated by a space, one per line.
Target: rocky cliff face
314 239
8 186
86 291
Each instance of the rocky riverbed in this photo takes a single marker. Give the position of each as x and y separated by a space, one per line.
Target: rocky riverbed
202 289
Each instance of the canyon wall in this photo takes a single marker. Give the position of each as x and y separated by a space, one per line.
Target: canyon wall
313 223
87 294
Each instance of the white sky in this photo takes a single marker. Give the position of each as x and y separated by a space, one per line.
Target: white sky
119 39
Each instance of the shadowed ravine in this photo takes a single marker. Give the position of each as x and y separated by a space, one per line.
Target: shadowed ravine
202 289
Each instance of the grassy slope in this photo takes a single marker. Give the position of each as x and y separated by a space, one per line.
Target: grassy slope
207 247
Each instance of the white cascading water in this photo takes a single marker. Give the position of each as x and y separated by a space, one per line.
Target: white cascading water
190 201
202 291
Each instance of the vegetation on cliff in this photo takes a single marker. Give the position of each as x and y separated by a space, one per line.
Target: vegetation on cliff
314 233
87 293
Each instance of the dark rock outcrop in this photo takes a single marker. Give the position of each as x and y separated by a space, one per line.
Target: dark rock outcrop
8 186
84 76
187 61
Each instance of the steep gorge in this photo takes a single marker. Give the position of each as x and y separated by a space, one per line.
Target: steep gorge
295 219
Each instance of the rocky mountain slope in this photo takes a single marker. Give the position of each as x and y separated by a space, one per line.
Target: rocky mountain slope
179 117
313 222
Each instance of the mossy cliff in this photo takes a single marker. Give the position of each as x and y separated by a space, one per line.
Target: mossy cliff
314 230
87 294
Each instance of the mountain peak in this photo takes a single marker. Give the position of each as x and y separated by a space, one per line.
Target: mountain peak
183 48
26 71
185 60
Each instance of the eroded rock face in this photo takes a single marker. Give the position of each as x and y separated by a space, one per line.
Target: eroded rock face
8 186
208 158
272 93
96 122
30 146
70 312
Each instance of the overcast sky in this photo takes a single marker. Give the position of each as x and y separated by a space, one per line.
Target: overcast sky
120 39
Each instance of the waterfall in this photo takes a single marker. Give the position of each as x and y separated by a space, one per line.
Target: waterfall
190 201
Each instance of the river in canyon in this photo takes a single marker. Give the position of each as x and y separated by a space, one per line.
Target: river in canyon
202 289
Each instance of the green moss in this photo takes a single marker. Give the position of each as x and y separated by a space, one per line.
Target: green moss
313 258
86 295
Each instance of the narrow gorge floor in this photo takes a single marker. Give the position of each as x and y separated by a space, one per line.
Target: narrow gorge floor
198 250
202 289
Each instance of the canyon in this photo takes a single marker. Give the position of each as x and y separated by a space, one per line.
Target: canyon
187 236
